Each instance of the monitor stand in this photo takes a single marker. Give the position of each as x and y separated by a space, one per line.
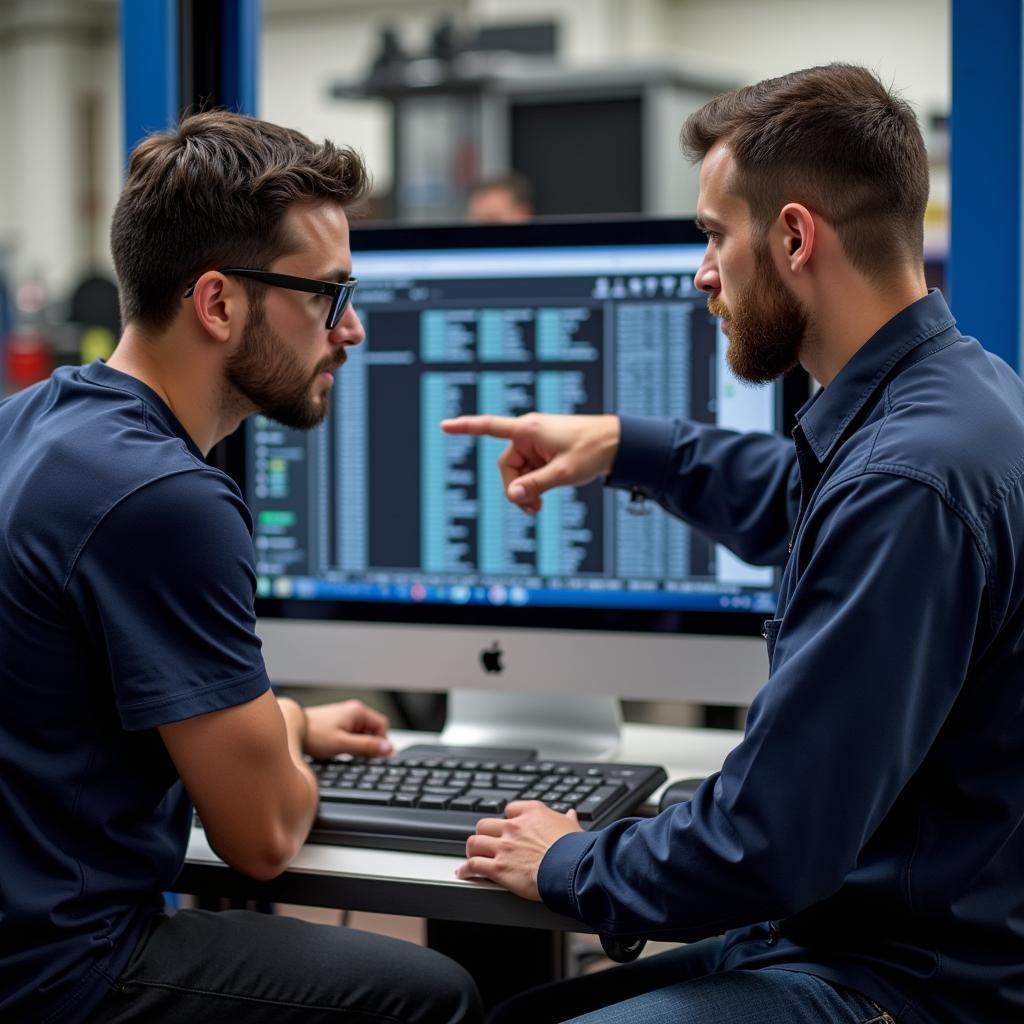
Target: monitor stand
573 728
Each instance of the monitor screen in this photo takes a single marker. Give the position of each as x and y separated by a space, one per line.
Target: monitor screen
386 551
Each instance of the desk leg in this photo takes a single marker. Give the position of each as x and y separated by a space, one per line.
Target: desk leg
502 960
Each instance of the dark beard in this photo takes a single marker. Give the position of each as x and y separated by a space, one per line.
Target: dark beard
766 325
271 377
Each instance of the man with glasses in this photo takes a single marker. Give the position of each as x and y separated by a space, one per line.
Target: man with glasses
132 678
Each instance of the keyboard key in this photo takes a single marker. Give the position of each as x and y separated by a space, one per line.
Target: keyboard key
510 781
433 801
355 796
490 806
502 796
599 801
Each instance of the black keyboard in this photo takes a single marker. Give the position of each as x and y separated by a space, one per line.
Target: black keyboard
428 799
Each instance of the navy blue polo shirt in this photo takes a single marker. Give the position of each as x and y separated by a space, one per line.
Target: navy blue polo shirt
868 827
126 602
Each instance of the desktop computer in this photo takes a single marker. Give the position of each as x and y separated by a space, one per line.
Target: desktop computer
386 552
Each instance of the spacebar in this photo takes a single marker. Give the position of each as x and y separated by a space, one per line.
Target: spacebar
356 796
398 821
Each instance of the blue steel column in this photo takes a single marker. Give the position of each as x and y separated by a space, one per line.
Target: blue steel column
150 51
985 174
241 24
149 67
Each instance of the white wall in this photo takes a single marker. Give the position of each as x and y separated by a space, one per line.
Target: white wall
309 44
54 53
906 41
743 40
7 198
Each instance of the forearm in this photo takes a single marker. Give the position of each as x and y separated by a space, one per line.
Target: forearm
307 797
297 726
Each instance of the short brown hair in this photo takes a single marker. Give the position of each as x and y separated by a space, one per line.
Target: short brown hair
213 192
836 139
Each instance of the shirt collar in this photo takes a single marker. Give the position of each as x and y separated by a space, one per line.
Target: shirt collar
824 418
99 373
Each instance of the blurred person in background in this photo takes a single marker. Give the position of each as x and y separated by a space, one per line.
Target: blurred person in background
507 199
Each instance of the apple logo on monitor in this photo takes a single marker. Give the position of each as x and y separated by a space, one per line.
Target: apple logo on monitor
490 658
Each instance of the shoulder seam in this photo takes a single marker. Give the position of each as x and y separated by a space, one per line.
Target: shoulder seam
917 475
87 536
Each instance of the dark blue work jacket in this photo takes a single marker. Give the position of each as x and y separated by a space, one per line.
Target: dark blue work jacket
867 829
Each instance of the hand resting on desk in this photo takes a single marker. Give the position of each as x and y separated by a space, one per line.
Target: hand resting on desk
509 850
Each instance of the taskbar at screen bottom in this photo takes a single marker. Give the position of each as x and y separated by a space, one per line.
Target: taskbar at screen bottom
497 595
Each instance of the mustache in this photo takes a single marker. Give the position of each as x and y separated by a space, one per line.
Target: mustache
330 365
716 307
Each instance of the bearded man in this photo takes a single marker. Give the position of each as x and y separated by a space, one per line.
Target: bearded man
132 681
862 848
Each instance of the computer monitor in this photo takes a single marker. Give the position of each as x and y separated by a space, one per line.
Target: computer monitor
387 555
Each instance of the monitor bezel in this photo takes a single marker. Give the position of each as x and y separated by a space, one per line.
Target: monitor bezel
541 232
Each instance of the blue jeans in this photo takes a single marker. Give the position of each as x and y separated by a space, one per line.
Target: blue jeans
684 986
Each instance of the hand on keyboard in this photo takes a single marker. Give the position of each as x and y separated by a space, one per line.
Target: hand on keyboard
346 727
509 850
431 800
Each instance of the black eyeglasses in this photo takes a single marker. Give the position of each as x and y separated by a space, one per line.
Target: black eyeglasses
340 291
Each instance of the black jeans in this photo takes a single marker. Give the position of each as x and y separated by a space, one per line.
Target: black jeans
236 965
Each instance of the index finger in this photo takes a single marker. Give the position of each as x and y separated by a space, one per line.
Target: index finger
490 426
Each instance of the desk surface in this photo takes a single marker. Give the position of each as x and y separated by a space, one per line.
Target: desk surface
424 885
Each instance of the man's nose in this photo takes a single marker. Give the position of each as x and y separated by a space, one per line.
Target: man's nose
349 329
706 278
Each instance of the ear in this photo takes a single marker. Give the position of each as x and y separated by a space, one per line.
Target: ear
217 304
797 226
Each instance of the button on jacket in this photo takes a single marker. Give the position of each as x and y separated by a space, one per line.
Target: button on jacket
867 829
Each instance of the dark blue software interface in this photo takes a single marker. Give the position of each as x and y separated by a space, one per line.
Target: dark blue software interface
378 505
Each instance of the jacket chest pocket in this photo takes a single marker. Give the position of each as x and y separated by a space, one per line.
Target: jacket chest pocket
770 632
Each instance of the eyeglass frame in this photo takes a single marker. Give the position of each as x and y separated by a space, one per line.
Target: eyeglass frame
340 291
